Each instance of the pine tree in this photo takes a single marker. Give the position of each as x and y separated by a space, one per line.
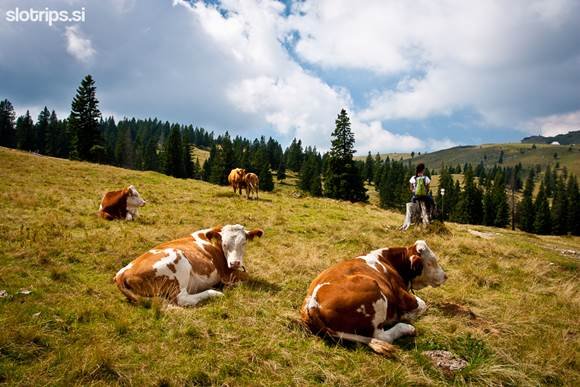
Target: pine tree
445 202
197 170
124 151
526 209
174 153
294 156
25 132
489 209
264 173
41 130
542 220
369 168
281 173
84 122
7 128
309 177
500 200
343 180
187 161
573 194
560 209
470 206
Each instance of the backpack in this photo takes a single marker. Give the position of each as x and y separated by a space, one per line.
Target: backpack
420 189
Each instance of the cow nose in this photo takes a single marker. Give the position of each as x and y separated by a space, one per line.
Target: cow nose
444 276
236 264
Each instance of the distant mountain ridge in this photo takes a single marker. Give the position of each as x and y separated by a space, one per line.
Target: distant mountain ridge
564 139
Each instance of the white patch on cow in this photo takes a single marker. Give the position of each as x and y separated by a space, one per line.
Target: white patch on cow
198 240
414 314
312 302
198 282
182 267
392 334
130 265
155 251
380 308
362 309
101 207
186 299
372 259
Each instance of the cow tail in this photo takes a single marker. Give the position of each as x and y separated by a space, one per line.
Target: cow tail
312 319
126 289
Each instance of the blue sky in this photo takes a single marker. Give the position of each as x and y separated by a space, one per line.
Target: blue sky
413 75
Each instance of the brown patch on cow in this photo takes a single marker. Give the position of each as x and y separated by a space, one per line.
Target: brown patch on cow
252 184
171 267
236 179
114 204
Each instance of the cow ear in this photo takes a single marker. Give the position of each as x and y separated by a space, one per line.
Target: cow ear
416 265
214 233
257 232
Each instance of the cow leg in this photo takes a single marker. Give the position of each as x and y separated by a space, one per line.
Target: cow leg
414 314
186 299
129 216
397 331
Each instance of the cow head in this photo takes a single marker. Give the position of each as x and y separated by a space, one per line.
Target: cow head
233 240
425 267
133 197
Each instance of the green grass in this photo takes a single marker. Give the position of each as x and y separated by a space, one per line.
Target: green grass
76 327
514 153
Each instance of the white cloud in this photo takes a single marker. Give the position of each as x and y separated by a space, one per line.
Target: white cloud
495 57
553 124
78 45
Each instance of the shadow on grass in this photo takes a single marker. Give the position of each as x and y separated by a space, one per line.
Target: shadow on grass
259 284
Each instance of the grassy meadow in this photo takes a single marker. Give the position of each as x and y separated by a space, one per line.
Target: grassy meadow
510 308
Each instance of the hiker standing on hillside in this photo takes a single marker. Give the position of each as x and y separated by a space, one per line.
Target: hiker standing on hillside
419 186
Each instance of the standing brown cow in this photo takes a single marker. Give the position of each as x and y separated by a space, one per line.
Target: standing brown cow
236 179
252 183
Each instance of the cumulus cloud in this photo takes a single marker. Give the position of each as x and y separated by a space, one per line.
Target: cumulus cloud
77 45
498 58
554 124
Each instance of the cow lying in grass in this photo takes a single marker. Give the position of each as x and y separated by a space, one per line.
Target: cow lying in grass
184 271
368 300
122 204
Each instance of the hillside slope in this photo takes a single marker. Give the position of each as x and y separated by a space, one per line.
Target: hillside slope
543 154
510 306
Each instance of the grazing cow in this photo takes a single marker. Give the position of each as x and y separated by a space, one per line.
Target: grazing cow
252 183
122 204
183 271
236 179
368 300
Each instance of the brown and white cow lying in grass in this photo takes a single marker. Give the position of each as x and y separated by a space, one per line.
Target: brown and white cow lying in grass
184 271
368 300
122 204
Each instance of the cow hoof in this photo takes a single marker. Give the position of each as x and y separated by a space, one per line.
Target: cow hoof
214 293
383 348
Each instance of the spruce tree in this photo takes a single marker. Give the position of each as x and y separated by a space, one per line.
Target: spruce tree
264 172
342 180
41 130
281 173
526 209
84 122
7 128
542 220
52 135
187 161
573 194
369 168
560 209
25 132
174 153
